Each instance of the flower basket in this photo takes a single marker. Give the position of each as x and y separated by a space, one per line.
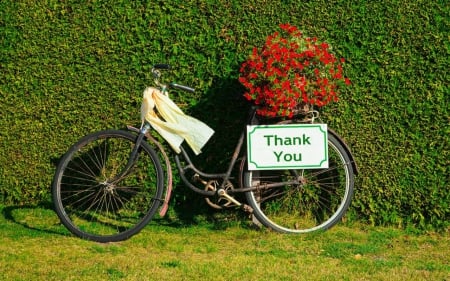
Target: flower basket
291 73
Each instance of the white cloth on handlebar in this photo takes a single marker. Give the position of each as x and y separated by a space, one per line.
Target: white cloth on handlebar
175 125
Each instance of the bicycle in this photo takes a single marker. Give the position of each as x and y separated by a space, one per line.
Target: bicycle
111 183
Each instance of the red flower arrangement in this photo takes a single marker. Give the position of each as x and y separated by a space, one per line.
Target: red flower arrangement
291 71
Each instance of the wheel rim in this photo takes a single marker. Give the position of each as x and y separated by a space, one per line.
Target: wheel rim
317 201
95 201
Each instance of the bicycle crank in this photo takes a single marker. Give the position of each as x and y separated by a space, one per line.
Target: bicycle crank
223 194
219 202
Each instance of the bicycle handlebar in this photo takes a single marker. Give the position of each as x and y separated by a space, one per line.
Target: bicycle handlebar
182 87
157 75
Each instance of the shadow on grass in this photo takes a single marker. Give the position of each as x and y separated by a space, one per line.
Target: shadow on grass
40 217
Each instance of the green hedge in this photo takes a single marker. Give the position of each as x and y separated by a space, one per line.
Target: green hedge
72 67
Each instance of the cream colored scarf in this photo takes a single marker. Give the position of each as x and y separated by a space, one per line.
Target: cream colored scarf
175 126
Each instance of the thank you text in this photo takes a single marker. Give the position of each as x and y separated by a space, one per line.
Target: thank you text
293 146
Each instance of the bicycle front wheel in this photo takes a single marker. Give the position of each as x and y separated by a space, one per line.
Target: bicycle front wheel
98 196
317 200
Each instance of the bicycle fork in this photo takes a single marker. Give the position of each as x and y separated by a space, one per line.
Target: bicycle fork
134 155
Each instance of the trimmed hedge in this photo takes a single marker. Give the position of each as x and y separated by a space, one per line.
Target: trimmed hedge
68 68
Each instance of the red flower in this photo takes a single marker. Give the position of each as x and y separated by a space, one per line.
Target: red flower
347 81
290 70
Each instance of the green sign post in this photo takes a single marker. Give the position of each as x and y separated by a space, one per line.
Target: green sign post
293 146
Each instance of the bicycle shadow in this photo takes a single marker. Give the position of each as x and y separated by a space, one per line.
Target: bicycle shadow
225 110
40 218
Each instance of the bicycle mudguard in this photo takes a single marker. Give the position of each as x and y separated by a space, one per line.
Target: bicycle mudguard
165 205
347 149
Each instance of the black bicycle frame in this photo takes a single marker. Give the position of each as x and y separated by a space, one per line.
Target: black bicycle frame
225 177
252 120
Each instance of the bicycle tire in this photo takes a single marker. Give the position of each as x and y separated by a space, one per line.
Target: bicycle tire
93 196
317 202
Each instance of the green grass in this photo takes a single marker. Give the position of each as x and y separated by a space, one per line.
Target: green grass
34 246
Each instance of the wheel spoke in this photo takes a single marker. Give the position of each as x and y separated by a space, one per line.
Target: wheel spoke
91 202
317 201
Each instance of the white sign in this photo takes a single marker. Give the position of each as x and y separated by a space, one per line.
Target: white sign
293 146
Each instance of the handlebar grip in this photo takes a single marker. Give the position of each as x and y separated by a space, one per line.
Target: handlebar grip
162 66
182 87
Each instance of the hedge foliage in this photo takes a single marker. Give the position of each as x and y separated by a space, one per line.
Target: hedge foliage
71 67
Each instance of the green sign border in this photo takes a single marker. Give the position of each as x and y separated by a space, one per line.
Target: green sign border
256 127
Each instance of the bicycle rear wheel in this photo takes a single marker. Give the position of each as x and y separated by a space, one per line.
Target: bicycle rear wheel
96 197
317 201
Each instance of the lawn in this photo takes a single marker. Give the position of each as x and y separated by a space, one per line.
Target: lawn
34 246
